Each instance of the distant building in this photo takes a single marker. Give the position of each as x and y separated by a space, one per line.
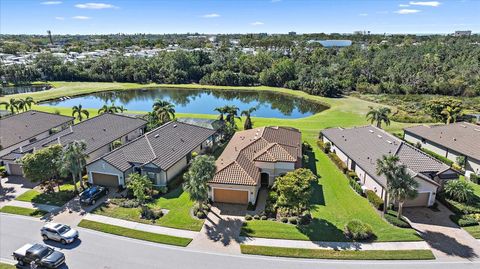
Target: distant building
361 32
292 33
332 43
463 33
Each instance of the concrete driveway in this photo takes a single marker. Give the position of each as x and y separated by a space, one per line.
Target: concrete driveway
13 186
447 240
221 230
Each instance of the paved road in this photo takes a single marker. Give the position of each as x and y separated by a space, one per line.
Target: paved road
98 250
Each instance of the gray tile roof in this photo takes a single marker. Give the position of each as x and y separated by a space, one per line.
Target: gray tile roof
96 132
207 123
23 126
461 137
366 144
163 146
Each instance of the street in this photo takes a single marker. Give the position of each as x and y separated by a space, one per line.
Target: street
99 250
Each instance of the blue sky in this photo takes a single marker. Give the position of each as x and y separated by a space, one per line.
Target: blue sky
235 16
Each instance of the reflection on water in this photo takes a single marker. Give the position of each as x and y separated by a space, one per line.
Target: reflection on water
268 104
23 89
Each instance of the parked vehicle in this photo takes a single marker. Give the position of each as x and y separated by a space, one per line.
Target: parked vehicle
42 255
92 194
59 232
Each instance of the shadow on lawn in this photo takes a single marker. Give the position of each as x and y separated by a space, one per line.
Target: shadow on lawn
323 230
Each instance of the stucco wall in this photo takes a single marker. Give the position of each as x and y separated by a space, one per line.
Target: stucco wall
177 168
252 190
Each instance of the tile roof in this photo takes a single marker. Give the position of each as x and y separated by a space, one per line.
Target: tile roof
236 165
461 137
366 144
23 126
163 146
96 132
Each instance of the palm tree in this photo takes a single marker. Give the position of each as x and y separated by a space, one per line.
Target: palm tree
21 105
379 115
386 166
29 101
108 109
222 110
402 187
451 114
248 121
232 114
164 110
73 161
196 178
121 109
11 105
79 111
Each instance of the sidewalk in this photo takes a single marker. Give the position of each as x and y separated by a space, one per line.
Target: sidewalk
334 245
140 226
47 208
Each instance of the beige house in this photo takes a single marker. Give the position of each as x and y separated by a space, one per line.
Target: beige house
161 154
254 158
360 148
454 140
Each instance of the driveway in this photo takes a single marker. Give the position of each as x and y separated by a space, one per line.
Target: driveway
447 240
221 230
13 186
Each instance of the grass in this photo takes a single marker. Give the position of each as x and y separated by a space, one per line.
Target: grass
473 231
136 234
334 201
23 211
338 254
6 266
177 202
57 198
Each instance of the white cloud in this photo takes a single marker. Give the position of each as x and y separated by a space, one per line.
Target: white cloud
95 6
51 3
60 18
80 17
363 14
407 11
426 4
211 15
257 23
404 5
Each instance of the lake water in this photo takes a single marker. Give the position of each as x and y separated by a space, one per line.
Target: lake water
23 89
268 104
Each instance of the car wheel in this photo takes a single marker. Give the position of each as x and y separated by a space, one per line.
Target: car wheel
21 263
93 202
45 237
106 191
63 242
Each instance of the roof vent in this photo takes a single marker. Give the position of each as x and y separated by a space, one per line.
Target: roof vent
104 129
157 135
454 139
464 126
389 142
174 126
379 136
371 131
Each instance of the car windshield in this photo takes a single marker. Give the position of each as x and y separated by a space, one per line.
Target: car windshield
89 192
45 252
64 229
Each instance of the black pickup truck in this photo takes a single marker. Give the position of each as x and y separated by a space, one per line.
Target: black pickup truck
42 255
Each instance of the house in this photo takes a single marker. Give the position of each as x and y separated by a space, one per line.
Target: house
98 132
161 154
360 148
21 129
217 125
451 141
252 159
463 33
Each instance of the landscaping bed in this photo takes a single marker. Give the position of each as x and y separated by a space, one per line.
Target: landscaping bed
136 234
57 198
23 211
338 254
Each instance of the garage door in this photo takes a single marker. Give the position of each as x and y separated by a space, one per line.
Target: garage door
421 200
230 196
105 179
15 169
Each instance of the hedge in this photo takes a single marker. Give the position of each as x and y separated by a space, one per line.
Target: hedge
374 199
338 162
438 157
456 207
391 217
355 186
464 221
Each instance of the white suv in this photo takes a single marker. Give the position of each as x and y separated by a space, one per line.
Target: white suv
59 232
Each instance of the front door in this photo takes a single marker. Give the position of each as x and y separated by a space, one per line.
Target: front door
264 179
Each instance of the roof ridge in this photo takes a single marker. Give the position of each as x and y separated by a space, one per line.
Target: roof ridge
151 148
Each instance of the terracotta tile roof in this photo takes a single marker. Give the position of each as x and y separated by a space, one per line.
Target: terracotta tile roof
236 165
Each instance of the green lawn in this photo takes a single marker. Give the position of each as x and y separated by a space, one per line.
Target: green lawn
335 202
23 211
339 254
147 236
6 266
57 198
176 201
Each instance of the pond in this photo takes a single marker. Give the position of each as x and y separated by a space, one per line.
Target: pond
23 89
268 104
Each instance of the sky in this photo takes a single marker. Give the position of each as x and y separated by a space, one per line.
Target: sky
235 16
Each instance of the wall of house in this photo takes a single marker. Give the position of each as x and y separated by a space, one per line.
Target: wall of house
132 135
425 186
275 169
101 166
252 190
177 168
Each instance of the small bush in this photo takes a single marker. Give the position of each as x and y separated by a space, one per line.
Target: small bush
151 214
263 218
356 186
162 189
352 174
459 190
248 217
284 219
374 199
457 207
250 206
338 162
256 217
475 178
327 147
126 203
391 217
321 145
306 146
3 171
357 230
305 219
438 157
200 214
293 220
464 221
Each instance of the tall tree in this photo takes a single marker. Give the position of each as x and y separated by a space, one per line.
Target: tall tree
74 160
78 112
196 178
232 114
29 102
379 115
402 187
222 110
21 105
248 121
43 164
294 190
108 109
11 105
386 166
451 113
164 110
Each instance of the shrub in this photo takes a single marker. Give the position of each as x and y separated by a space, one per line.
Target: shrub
256 217
474 216
248 217
250 206
457 207
338 162
200 214
438 157
327 147
356 186
284 219
162 189
391 217
129 203
459 190
3 171
321 145
293 220
464 221
151 214
306 146
357 230
263 217
475 178
305 219
374 199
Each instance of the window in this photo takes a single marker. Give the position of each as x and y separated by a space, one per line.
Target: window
152 176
